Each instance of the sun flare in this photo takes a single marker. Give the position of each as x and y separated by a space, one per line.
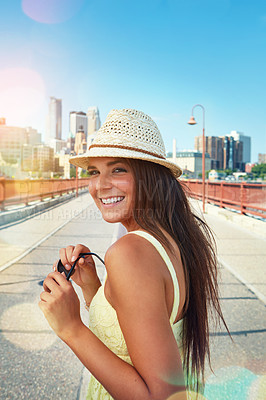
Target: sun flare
22 94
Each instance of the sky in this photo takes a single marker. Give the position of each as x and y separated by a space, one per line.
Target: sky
159 56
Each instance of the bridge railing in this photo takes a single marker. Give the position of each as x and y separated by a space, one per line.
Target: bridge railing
14 192
247 198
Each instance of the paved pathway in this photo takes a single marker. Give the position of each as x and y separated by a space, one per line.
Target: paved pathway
241 249
20 237
35 364
239 365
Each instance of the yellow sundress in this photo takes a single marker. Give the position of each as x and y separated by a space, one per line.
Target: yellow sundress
104 324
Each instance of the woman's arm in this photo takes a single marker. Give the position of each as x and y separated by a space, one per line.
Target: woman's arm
60 306
138 294
137 290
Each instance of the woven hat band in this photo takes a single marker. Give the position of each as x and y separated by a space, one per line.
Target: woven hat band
127 148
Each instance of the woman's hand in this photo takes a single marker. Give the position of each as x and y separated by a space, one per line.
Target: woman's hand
85 274
60 305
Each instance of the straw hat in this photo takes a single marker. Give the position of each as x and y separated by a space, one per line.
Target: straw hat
128 134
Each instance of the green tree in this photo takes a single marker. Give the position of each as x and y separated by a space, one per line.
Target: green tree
259 171
228 171
72 172
84 174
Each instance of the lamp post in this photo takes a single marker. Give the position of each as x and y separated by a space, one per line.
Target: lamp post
193 122
77 182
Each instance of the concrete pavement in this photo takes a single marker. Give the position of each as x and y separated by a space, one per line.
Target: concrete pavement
20 237
32 356
239 365
35 364
241 245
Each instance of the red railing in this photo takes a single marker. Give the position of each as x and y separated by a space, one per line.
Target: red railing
247 198
14 192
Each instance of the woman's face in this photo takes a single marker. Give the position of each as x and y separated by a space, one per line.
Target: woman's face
112 187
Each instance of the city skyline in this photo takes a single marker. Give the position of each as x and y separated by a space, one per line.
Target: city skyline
160 56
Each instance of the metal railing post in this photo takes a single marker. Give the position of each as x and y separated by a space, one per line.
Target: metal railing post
77 183
2 193
242 198
221 194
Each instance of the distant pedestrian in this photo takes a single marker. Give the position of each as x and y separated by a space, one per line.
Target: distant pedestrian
148 333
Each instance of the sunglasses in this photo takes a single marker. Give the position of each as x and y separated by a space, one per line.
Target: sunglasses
61 268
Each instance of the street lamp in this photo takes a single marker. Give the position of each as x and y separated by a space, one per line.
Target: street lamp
193 122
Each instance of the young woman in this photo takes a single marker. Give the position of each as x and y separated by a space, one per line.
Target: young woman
148 333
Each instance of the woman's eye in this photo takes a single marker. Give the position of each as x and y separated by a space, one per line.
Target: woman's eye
119 169
93 172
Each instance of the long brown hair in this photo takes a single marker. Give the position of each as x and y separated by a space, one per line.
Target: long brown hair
161 201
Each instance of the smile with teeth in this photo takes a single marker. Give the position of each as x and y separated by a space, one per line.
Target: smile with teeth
112 200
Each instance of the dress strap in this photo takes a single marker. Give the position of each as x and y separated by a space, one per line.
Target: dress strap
159 247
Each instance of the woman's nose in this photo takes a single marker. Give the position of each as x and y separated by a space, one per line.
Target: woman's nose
103 182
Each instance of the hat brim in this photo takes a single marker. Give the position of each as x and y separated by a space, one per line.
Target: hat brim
82 160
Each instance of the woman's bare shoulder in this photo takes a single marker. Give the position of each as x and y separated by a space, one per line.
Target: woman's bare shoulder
127 242
132 253
134 271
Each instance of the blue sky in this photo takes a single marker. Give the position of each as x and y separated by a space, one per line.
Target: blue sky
160 56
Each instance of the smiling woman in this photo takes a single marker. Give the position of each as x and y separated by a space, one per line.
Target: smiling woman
147 336
111 185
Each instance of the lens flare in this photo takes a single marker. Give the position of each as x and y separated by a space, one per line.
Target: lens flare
257 390
51 11
22 94
187 395
229 383
25 326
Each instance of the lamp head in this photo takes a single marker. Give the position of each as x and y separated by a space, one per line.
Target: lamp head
192 121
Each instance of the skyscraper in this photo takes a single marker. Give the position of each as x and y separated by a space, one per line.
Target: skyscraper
233 153
214 147
225 151
246 140
94 121
54 120
78 120
80 142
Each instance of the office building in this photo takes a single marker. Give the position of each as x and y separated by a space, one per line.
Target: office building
94 121
44 158
64 165
54 120
27 158
34 137
248 167
22 153
233 154
214 147
246 140
12 139
70 145
58 145
262 158
191 163
226 152
80 142
94 124
78 120
38 158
